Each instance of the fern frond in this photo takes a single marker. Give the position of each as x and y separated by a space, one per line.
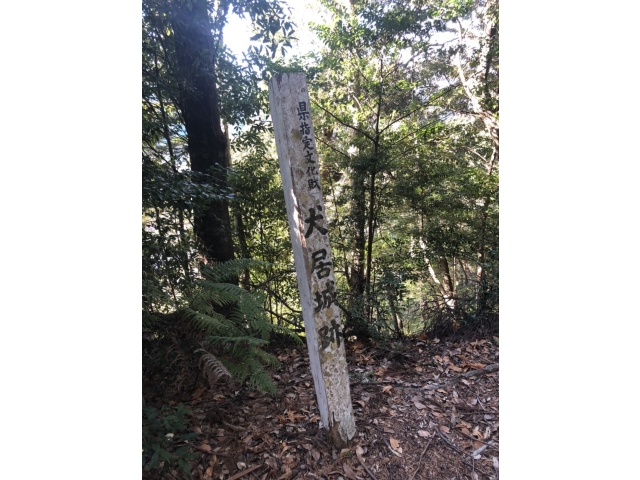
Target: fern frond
288 332
221 294
231 268
148 320
212 368
234 345
231 322
213 323
266 358
260 380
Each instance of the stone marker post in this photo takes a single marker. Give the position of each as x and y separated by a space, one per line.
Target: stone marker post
290 111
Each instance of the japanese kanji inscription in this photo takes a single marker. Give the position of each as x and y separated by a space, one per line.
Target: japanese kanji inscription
299 167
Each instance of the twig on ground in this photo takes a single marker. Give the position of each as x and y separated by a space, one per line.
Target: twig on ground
244 472
399 385
490 442
448 442
365 467
478 450
420 461
451 445
210 452
494 367
389 447
234 427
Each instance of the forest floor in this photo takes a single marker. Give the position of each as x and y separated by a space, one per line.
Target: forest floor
421 406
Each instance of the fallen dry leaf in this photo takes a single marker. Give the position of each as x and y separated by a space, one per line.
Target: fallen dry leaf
419 405
360 452
287 473
205 447
423 433
348 471
286 447
315 454
444 429
394 443
476 366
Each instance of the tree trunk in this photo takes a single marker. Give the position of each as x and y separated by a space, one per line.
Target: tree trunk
196 55
370 231
355 320
397 321
238 224
358 215
475 85
448 285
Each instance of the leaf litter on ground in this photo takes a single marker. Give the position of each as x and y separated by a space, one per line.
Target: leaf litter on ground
407 398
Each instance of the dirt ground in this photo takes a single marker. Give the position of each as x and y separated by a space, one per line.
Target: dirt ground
422 408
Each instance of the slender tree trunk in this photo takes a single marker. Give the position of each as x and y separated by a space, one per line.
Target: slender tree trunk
355 322
358 214
370 232
357 280
397 322
484 214
373 167
238 224
448 285
195 52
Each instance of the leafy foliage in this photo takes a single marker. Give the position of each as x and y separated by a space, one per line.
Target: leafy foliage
405 102
162 431
194 314
226 322
405 108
